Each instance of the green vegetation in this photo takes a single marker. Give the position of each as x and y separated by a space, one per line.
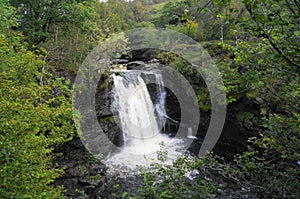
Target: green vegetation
254 43
35 114
177 181
258 56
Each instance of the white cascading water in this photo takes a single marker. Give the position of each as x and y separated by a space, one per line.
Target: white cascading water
160 106
140 120
136 111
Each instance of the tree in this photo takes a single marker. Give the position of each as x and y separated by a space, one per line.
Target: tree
38 17
267 64
278 22
73 38
35 114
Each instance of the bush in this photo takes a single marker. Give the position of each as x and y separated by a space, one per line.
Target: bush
186 178
272 167
35 114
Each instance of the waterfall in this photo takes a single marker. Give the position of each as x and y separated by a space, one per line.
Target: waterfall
136 110
161 100
140 119
190 134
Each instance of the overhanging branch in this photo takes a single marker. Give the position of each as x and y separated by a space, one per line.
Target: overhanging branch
273 44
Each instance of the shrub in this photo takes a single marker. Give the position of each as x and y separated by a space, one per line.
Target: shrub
35 114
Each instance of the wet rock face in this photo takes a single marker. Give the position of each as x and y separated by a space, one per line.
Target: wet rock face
83 173
86 177
172 109
105 115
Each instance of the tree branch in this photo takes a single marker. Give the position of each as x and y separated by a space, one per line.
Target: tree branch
297 5
289 6
273 44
